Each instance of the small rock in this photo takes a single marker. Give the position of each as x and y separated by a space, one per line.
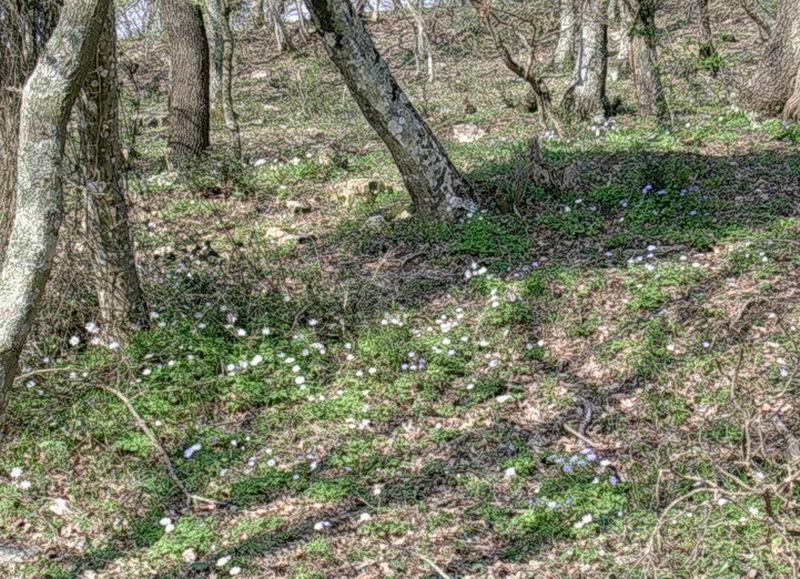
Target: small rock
468 133
375 222
279 236
296 207
189 556
404 215
259 75
352 189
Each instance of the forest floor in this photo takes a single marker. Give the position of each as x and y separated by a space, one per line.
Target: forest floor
599 381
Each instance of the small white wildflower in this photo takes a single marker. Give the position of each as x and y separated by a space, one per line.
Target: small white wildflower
74 341
257 359
321 526
16 472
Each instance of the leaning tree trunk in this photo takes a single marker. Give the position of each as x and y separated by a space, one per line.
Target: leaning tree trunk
774 89
650 96
219 15
435 185
188 92
46 103
586 97
565 48
707 52
120 299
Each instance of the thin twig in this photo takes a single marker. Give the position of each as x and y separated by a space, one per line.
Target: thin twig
142 425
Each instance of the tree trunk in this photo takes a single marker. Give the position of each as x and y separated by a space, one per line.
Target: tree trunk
24 30
219 16
120 299
774 88
301 20
47 99
707 53
624 48
277 10
586 97
189 70
216 49
650 96
434 184
258 15
565 49
756 15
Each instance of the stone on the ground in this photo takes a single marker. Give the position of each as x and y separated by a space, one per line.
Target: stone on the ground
468 133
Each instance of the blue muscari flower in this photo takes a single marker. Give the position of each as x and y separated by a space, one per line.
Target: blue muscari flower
566 468
647 188
613 480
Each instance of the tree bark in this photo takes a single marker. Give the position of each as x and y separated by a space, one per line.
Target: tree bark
707 50
120 300
774 89
752 10
216 49
219 15
565 48
24 30
586 97
435 185
47 99
650 96
189 74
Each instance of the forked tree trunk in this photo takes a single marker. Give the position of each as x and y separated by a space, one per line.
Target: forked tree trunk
219 15
586 97
707 51
775 90
47 99
188 92
120 299
650 96
435 186
565 48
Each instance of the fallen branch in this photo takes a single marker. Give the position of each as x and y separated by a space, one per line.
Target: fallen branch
142 425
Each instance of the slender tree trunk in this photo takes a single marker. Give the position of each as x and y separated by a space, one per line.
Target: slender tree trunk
189 74
435 185
212 20
219 15
119 295
774 89
301 20
586 97
565 49
422 44
277 11
47 99
258 15
707 52
650 96
624 20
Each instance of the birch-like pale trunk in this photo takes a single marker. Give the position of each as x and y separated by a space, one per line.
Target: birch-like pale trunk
121 304
47 100
435 185
586 97
565 48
